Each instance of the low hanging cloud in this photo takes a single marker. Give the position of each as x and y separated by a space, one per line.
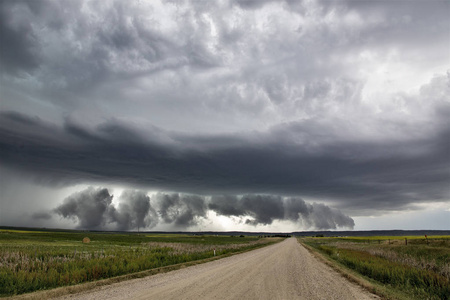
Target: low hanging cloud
264 209
89 207
134 211
93 209
340 101
43 215
179 209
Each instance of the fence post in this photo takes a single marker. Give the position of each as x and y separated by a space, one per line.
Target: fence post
406 241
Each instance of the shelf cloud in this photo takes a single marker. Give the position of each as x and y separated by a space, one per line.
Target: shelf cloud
339 108
264 209
93 208
358 175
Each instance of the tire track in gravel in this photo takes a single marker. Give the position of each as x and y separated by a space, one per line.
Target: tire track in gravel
285 270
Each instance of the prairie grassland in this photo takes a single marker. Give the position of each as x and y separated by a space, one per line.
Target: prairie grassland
417 267
31 261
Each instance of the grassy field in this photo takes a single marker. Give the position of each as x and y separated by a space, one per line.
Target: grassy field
410 267
38 260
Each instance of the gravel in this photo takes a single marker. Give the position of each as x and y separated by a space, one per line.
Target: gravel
282 271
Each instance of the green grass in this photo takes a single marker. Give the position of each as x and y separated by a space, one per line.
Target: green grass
419 269
32 261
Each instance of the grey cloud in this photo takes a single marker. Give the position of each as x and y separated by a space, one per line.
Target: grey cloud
179 209
321 216
127 54
387 23
252 4
88 51
41 216
19 49
92 208
134 211
13 118
125 43
207 101
89 207
225 205
302 158
294 207
264 209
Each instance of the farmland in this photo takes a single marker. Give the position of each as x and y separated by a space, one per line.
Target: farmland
408 267
39 260
284 270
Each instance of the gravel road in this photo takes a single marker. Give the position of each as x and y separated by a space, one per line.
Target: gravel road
282 271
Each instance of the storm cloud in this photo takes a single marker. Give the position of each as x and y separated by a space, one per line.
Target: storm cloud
92 208
264 209
89 207
299 158
343 103
179 209
134 211
41 215
19 43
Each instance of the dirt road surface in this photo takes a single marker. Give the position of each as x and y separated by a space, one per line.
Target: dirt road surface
282 271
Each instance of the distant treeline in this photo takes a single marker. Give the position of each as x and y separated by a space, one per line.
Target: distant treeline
276 235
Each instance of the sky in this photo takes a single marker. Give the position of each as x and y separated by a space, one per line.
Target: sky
225 115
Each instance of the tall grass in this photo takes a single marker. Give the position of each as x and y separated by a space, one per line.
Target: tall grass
420 270
31 261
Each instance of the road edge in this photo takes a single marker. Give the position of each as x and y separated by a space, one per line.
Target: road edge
87 286
371 286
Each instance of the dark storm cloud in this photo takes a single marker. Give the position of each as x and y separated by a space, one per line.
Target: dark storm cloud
357 175
134 212
252 4
226 205
41 216
129 52
324 217
264 209
89 207
327 100
73 53
92 208
19 49
180 210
